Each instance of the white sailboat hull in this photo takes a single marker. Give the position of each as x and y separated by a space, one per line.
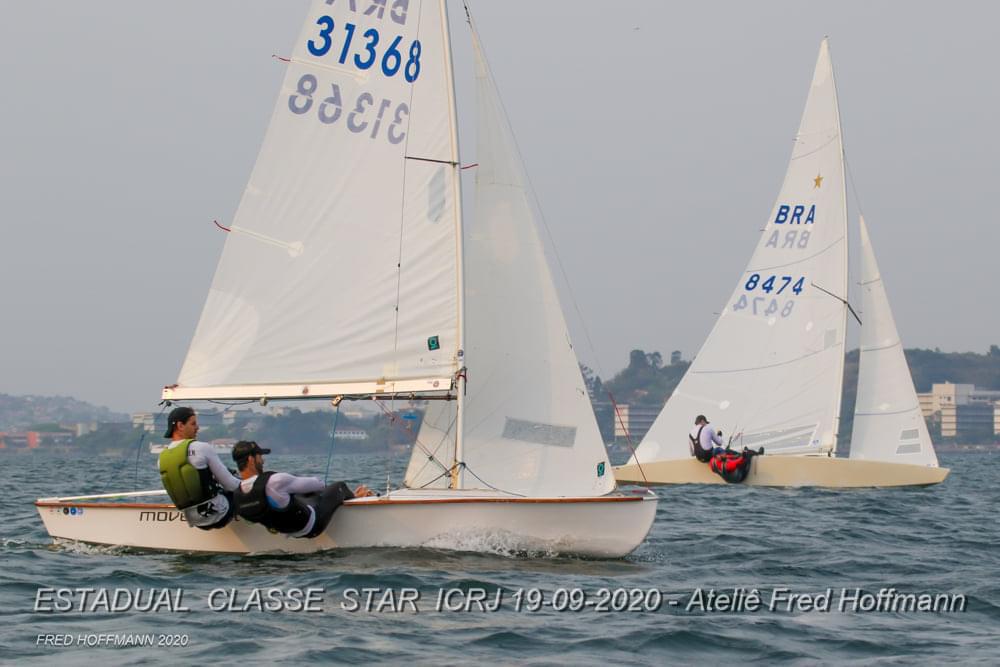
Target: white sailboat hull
795 471
605 527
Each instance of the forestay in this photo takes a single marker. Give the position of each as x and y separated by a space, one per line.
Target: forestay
888 423
772 366
340 271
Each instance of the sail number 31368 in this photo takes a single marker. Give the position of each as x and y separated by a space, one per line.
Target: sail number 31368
366 54
363 116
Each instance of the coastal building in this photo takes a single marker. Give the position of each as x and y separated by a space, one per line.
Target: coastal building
156 422
634 421
965 411
35 440
351 434
150 422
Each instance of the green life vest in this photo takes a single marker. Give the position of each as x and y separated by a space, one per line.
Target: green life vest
186 485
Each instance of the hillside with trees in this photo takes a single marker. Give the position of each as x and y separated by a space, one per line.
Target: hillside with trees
647 382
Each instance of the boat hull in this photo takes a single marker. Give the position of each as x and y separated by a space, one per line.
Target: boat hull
604 527
821 471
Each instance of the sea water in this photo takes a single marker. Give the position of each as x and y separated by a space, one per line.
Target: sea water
727 573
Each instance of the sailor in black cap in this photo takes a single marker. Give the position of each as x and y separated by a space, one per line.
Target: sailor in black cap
193 474
279 501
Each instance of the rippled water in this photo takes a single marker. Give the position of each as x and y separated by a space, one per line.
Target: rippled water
935 540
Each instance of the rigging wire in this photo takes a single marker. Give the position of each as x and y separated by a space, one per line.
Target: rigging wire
628 438
854 187
430 458
461 465
138 450
388 453
333 438
416 441
402 222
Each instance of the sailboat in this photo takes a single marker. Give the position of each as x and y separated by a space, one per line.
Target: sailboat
350 272
771 371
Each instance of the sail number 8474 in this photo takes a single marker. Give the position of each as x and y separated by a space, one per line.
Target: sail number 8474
776 284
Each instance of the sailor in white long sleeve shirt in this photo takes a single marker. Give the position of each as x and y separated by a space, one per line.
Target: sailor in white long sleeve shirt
274 499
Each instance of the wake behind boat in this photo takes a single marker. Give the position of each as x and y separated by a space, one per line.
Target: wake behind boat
350 272
771 371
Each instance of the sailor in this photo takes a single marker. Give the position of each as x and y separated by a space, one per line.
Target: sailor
277 499
705 442
193 474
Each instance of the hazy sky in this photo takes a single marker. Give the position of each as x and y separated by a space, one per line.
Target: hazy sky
656 135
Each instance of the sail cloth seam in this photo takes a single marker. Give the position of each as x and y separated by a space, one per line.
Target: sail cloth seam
894 412
815 150
757 368
798 261
882 347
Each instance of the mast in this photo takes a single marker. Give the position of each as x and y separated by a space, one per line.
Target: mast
843 198
456 174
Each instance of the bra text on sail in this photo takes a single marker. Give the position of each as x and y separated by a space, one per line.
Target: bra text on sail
793 216
377 8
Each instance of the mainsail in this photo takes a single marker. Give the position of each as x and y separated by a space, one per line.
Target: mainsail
772 367
528 426
340 272
888 423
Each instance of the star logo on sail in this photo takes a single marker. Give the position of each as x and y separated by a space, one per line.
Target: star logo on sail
818 181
